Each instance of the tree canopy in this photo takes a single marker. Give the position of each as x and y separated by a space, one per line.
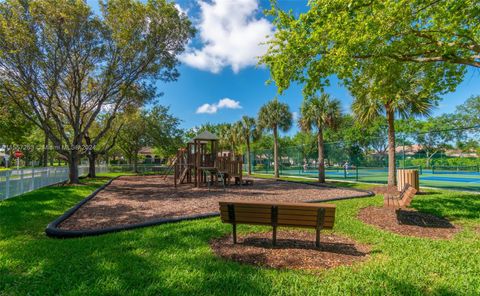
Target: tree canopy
62 65
332 37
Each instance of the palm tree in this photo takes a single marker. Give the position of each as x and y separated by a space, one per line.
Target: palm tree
320 112
248 129
235 136
225 134
388 88
274 116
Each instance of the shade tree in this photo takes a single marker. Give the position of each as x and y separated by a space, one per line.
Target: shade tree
62 64
390 88
146 128
332 37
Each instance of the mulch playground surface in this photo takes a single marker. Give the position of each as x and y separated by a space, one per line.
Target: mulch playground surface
294 250
131 200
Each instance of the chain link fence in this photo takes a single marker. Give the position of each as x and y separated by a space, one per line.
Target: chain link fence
451 163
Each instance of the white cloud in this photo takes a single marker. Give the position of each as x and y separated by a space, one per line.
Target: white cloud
231 35
225 103
295 116
229 104
207 108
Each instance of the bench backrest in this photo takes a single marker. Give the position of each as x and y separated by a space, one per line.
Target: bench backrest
408 195
287 214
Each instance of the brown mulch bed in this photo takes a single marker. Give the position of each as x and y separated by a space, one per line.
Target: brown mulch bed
135 199
294 250
385 190
408 222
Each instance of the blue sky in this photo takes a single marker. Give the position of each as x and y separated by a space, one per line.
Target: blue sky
219 67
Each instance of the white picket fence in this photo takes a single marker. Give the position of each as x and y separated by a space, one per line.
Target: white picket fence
16 182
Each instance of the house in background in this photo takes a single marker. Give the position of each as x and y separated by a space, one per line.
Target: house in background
149 155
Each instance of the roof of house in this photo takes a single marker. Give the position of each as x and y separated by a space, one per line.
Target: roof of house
146 151
409 149
205 135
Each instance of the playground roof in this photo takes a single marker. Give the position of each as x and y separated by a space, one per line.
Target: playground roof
206 135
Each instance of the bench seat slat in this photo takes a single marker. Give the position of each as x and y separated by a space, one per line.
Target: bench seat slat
328 212
326 225
297 209
290 205
248 210
242 215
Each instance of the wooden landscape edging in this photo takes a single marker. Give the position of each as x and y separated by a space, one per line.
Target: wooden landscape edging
52 229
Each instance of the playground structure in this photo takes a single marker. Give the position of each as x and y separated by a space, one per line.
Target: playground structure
201 163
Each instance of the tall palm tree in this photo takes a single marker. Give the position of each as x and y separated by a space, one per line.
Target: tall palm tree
275 116
320 112
386 88
236 136
225 134
248 129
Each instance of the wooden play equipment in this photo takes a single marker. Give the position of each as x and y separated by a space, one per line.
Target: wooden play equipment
308 215
201 164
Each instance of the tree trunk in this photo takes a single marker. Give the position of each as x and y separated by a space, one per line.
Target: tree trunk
392 180
135 160
275 152
91 155
7 162
45 152
321 157
91 164
73 167
249 161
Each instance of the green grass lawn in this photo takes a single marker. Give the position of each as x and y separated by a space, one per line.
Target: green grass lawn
175 259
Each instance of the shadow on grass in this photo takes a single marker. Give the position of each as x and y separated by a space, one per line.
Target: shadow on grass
169 260
450 204
337 248
422 219
32 211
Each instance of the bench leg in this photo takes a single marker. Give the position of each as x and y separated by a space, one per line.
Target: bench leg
274 236
234 233
320 221
274 220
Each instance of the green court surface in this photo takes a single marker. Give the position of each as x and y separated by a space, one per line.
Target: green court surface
454 179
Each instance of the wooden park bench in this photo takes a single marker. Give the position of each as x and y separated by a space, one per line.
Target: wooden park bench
403 200
275 214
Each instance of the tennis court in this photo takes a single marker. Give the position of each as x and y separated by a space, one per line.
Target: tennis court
458 178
